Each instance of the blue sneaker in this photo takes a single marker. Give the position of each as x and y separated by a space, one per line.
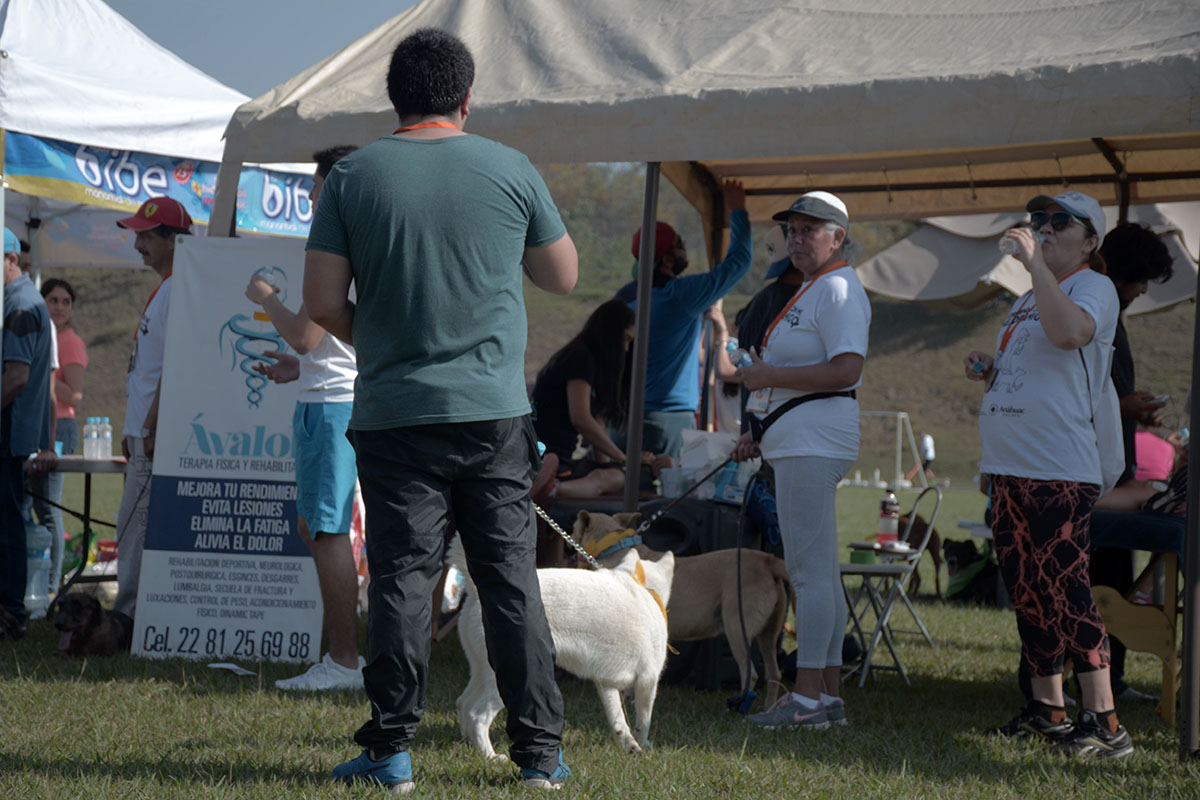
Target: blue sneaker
394 772
541 780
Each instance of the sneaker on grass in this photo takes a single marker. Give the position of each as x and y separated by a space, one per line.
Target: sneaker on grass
394 772
835 712
1091 738
323 676
536 779
788 712
1035 720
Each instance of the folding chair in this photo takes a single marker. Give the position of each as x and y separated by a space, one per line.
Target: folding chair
883 584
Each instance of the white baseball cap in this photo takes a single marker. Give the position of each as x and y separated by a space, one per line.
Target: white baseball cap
1077 204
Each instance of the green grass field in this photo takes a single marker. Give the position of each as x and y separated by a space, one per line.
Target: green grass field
134 728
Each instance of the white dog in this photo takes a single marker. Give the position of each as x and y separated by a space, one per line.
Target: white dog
609 626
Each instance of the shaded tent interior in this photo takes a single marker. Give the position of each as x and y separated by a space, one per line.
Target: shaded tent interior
906 108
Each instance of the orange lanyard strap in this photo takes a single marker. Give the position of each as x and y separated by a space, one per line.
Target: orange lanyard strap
796 298
420 125
150 300
1017 319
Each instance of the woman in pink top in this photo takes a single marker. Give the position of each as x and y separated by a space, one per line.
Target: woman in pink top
68 394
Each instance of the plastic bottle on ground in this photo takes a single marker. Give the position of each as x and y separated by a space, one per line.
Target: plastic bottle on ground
37 566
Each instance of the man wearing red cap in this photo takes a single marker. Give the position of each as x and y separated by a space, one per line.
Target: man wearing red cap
156 223
677 305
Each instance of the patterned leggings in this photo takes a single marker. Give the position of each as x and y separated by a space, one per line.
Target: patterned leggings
1041 536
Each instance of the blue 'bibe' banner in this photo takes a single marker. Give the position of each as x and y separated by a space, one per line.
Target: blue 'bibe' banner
267 201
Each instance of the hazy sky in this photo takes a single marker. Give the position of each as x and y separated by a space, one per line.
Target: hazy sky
253 45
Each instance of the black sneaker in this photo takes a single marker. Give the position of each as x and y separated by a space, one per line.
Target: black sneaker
1033 722
1091 739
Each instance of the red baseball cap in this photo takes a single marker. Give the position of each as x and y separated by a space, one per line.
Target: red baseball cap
158 211
664 239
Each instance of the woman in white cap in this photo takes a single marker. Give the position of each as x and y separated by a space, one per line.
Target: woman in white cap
1050 367
807 427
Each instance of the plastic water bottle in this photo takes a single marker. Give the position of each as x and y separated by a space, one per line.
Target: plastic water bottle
91 438
37 566
105 449
889 518
737 355
1010 247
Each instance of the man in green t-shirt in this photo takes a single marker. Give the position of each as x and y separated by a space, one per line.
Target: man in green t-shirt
433 226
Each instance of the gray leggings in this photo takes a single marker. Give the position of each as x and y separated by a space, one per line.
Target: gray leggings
806 492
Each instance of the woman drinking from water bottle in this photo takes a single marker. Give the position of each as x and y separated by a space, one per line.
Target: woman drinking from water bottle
1037 430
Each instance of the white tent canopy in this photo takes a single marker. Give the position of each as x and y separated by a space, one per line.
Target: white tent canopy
78 71
955 263
909 108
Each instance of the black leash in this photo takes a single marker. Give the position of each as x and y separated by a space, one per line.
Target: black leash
646 525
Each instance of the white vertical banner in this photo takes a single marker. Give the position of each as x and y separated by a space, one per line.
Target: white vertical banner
224 572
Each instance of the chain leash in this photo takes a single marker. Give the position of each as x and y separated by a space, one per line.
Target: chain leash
555 527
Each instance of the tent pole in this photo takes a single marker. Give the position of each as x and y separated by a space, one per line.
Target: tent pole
221 221
1189 702
641 339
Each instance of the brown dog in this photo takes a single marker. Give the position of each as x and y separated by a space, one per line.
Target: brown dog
704 595
88 630
920 531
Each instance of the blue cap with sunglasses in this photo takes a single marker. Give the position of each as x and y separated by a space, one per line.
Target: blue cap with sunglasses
1078 205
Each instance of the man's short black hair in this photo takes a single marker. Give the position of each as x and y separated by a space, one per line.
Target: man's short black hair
331 155
1134 253
166 231
430 74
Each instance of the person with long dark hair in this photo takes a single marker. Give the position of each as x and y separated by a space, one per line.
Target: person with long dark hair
68 395
581 390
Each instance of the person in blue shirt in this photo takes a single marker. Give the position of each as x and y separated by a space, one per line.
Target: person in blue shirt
25 425
677 306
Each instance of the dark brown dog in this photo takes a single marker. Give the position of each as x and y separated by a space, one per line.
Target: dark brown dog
919 532
89 630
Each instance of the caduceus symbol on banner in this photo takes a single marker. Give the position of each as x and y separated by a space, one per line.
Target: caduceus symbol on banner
250 336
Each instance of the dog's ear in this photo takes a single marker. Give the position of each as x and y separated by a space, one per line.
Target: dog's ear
628 518
582 520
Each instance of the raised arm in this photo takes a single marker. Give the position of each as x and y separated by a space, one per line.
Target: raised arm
300 332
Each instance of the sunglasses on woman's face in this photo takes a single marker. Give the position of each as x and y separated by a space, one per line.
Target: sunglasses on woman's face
1059 220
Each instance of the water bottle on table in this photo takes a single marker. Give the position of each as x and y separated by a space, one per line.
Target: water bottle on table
91 438
105 449
889 519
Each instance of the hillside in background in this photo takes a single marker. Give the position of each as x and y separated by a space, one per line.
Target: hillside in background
914 364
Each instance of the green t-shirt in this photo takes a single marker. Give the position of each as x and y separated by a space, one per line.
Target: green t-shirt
435 230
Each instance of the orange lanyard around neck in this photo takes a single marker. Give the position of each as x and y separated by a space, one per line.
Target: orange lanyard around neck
1017 319
435 124
796 298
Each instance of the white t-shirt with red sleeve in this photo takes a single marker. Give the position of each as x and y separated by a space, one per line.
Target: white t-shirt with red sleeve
832 316
1036 417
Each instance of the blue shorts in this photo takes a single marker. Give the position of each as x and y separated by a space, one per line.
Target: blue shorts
325 468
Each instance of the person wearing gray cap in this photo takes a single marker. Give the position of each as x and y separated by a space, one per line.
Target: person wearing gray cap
804 389
1045 389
